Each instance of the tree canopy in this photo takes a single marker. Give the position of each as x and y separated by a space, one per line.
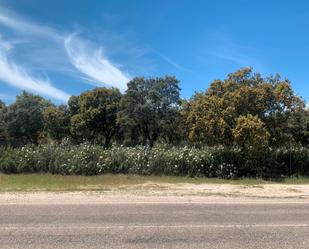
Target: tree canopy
213 115
23 119
95 114
149 108
244 110
56 122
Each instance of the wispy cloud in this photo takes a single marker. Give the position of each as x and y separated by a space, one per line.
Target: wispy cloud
13 21
90 61
227 50
76 53
17 76
234 57
173 63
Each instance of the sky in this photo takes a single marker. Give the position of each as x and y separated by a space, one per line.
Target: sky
60 48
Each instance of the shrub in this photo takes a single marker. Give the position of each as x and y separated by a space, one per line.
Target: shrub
217 161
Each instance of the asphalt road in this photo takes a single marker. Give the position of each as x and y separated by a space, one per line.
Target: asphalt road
153 225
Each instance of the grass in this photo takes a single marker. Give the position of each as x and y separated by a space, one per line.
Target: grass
49 182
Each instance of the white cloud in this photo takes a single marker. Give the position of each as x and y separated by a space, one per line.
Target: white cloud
239 59
91 61
172 62
12 21
15 75
77 53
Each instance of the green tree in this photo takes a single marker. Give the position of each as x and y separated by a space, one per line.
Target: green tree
24 119
95 114
149 109
205 118
56 122
73 105
306 143
213 115
2 123
297 126
2 104
250 133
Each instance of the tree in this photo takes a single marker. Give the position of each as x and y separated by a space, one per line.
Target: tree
213 115
205 118
95 114
2 104
73 105
297 126
56 122
306 143
2 123
148 109
250 133
24 120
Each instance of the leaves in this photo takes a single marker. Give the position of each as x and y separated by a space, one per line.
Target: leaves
250 133
24 120
149 106
213 116
232 111
95 114
56 122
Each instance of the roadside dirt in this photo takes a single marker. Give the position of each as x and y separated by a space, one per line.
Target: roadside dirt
164 192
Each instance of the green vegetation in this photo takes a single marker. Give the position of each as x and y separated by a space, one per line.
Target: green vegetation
48 182
246 108
96 115
243 126
216 161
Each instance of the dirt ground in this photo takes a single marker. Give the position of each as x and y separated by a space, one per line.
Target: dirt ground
166 192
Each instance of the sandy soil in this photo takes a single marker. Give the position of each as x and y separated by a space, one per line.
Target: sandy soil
163 192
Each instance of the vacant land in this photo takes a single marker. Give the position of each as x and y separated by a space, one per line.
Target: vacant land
49 182
125 211
147 186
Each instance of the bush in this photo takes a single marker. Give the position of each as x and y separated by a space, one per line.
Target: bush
219 161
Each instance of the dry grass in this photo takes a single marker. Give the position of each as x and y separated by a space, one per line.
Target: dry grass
48 182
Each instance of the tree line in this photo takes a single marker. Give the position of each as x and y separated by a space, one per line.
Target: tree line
244 110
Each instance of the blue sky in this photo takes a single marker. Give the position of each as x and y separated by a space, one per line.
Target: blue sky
61 48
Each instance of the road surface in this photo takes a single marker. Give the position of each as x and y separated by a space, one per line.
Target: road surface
154 225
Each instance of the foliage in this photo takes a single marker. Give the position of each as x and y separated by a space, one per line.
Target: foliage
205 119
149 109
56 122
2 124
90 159
212 116
243 126
23 119
95 114
2 104
250 133
245 109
